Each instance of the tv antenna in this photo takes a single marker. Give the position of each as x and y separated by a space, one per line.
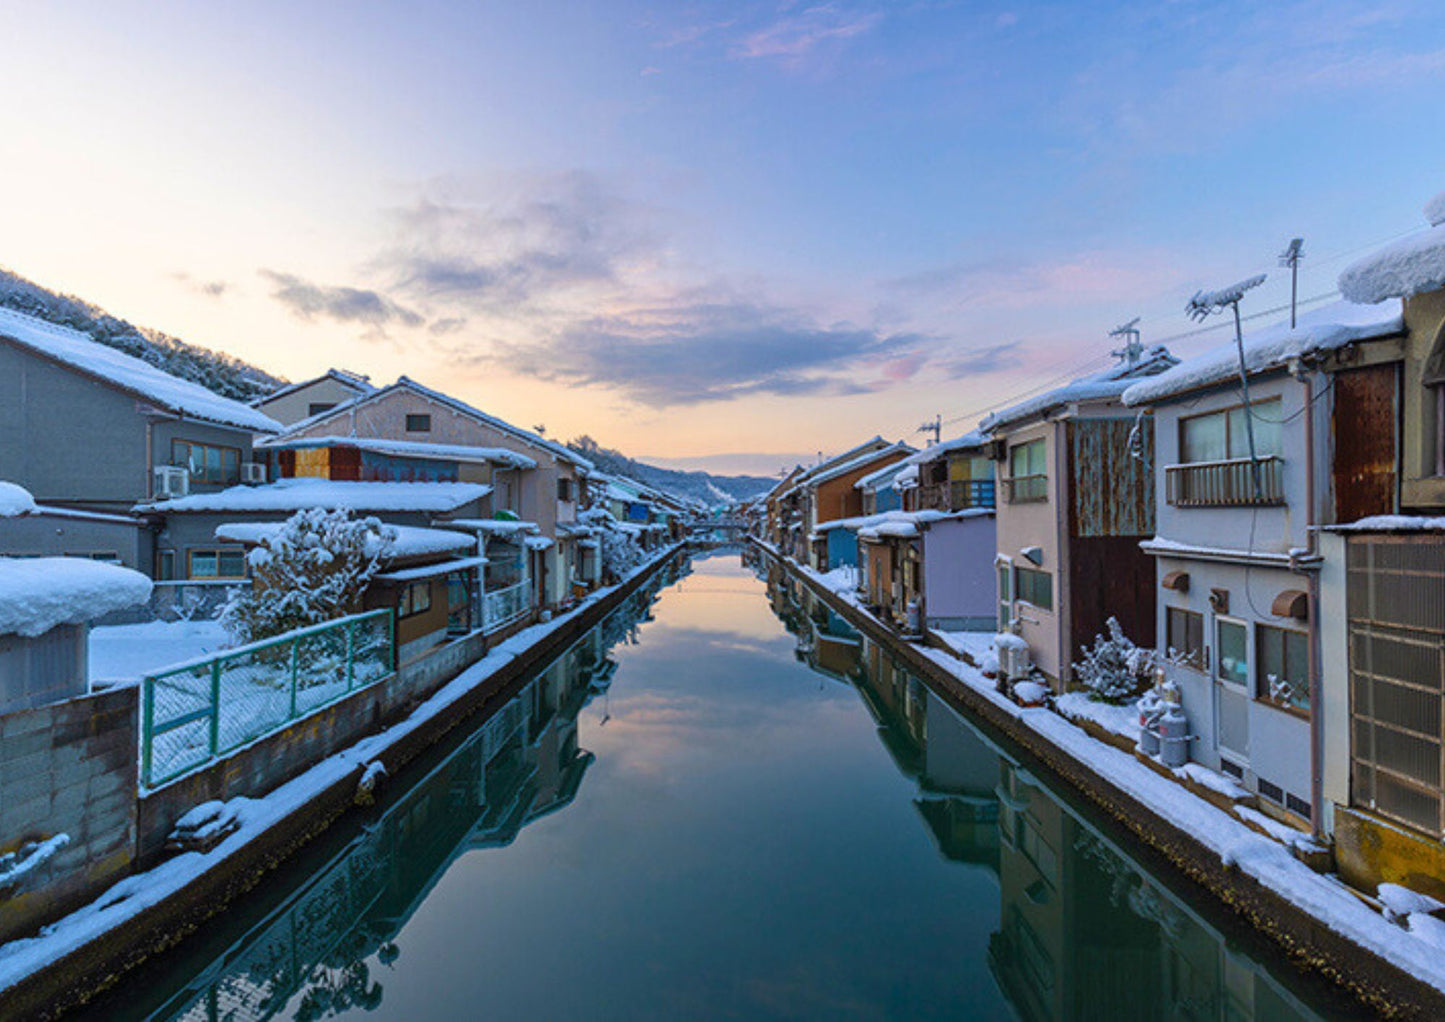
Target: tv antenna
1133 349
935 427
1203 305
1290 257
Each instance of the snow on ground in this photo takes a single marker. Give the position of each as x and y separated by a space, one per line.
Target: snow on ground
133 895
969 645
40 593
1213 780
1119 720
161 388
15 500
126 653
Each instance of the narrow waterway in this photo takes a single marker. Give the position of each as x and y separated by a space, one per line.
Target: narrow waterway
723 802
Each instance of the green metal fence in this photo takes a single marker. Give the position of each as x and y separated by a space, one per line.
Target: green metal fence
195 712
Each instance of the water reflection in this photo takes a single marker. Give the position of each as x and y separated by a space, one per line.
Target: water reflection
751 838
1083 931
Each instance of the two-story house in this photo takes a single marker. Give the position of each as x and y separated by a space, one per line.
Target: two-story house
829 492
1245 483
91 429
290 404
1077 496
548 495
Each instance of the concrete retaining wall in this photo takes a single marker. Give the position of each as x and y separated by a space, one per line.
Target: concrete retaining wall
67 768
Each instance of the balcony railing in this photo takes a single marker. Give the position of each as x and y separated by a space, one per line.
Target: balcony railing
1228 483
956 495
503 606
1027 489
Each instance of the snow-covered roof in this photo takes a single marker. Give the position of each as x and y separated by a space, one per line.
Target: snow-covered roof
1402 268
1392 523
1323 329
298 494
1104 385
356 381
15 500
432 570
501 425
404 540
40 593
837 468
972 440
881 477
491 526
537 543
907 478
896 523
405 448
169 393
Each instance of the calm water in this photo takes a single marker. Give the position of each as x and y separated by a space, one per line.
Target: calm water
722 803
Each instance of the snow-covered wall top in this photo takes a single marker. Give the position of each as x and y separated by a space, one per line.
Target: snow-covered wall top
302 493
15 500
41 593
1104 385
1402 268
168 392
1331 326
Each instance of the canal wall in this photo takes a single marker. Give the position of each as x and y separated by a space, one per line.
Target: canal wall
67 805
1387 989
202 886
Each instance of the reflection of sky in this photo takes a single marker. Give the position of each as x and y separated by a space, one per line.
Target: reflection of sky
743 846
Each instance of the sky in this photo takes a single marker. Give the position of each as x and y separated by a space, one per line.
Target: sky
718 235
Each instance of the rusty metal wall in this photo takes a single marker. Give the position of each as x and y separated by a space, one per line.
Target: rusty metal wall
1366 453
1112 491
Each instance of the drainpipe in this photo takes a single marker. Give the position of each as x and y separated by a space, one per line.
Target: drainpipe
1312 581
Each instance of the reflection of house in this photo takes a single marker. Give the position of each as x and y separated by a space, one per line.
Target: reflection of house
1076 498
1236 540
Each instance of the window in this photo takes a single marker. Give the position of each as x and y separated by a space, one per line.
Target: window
166 565
1283 668
416 423
1005 595
1036 587
1184 637
108 556
1224 435
207 463
1232 647
317 407
1028 472
415 599
564 489
222 563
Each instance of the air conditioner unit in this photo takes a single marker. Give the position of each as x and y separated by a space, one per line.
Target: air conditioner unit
1014 660
253 473
171 481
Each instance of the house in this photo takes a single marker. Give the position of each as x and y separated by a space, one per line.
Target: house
428 580
140 433
774 511
957 548
188 547
549 494
1244 479
826 493
296 401
1078 496
1382 619
46 605
878 490
28 529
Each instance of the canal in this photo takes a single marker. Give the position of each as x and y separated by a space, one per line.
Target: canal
723 803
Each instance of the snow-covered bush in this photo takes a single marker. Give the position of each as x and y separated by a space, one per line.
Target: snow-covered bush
1114 669
314 568
620 549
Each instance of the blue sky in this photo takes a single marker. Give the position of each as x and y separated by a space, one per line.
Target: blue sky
727 234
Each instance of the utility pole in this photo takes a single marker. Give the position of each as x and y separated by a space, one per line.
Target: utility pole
935 426
1133 349
1290 257
1205 304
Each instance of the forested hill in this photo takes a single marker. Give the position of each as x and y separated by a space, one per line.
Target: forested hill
704 486
214 370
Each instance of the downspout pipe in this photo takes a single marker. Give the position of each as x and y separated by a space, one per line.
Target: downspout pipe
1310 570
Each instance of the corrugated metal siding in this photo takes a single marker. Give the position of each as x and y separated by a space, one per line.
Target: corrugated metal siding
1112 491
1365 449
1395 600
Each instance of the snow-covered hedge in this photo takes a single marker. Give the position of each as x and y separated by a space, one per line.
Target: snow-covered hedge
1114 669
314 569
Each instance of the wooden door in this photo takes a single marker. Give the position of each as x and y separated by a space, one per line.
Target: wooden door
1364 429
